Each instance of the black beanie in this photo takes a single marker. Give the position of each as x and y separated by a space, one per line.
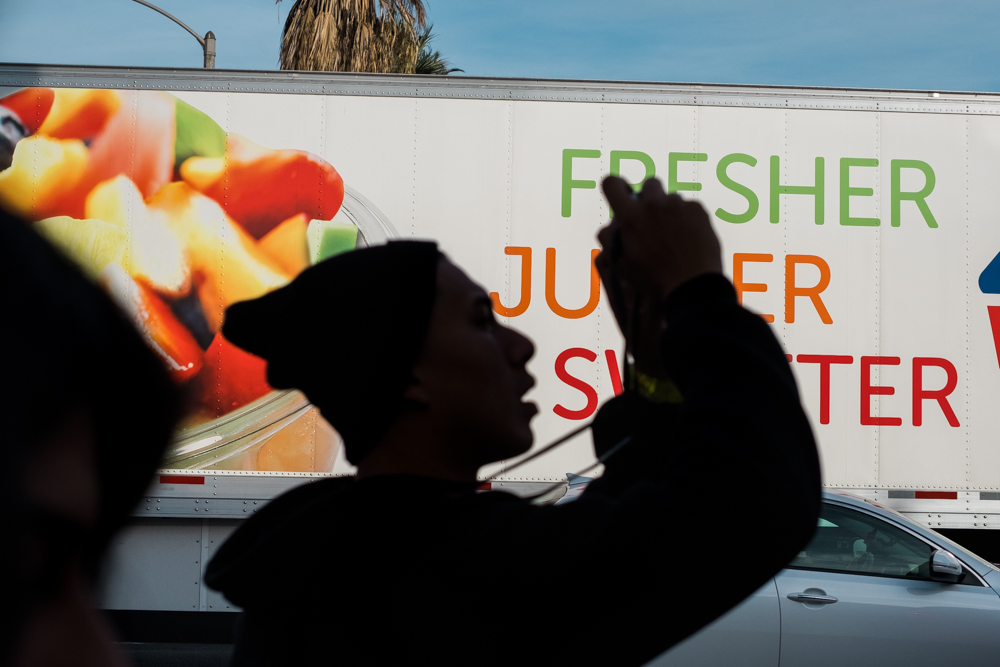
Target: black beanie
346 332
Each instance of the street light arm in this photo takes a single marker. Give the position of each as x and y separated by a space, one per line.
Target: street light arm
201 40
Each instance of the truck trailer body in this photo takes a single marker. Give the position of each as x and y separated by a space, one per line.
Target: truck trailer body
863 224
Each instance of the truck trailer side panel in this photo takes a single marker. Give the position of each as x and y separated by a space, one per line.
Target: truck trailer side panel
861 223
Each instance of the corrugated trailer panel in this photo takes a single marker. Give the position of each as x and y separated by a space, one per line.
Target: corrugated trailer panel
860 220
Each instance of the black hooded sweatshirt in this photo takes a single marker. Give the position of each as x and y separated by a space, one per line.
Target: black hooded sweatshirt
394 570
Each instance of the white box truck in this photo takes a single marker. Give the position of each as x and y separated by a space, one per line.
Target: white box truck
863 224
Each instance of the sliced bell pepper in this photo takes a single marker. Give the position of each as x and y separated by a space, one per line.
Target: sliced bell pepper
79 113
163 333
260 187
156 256
31 105
231 378
287 244
330 237
227 264
42 177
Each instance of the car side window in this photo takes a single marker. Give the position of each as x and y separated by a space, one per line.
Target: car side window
858 543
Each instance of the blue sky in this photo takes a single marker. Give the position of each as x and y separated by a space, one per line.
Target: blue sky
855 43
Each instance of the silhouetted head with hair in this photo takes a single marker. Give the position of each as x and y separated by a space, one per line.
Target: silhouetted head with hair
87 411
400 351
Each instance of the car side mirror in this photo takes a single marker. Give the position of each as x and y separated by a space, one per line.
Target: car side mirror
946 567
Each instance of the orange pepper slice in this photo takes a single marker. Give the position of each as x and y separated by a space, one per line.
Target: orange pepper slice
288 245
79 113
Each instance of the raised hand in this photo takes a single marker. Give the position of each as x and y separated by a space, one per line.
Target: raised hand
665 241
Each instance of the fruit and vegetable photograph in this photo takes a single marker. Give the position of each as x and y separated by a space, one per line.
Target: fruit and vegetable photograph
177 219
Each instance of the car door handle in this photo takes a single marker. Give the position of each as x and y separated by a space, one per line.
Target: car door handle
811 598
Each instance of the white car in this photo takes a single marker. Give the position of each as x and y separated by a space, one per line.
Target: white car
871 588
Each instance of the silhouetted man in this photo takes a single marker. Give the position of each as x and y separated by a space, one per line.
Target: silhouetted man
406 562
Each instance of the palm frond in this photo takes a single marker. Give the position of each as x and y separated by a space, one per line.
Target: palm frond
352 35
431 62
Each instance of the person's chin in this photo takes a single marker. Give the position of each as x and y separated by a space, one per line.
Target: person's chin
525 440
529 409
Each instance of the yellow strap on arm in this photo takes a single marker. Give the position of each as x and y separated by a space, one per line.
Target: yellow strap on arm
657 390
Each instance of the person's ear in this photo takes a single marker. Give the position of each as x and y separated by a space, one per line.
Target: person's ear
417 393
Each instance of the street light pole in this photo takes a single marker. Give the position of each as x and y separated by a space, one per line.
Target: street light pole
207 42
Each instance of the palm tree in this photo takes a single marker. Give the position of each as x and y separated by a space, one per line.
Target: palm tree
431 62
352 35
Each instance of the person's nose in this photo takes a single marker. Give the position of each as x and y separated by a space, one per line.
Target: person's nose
519 347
